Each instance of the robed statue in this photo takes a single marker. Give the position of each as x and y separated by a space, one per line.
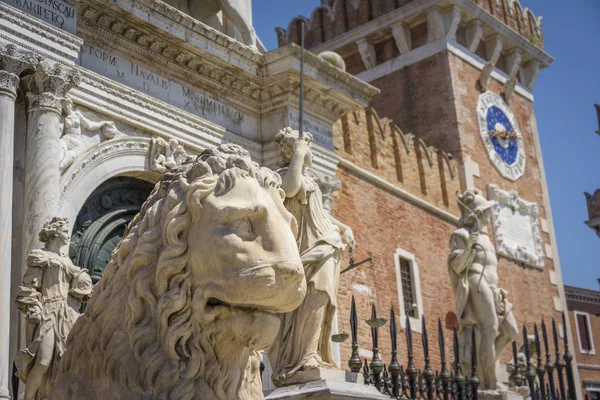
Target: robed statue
473 268
304 340
50 296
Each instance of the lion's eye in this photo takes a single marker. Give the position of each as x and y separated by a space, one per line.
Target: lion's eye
242 226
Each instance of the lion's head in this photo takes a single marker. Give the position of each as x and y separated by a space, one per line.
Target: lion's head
190 293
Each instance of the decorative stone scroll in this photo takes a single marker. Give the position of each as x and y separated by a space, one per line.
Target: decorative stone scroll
516 227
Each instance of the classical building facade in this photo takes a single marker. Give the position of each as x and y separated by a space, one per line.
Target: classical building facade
584 313
99 99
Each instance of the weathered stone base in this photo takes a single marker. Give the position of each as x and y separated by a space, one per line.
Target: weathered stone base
326 384
503 394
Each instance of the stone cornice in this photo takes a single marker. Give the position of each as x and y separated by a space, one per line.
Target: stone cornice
582 294
248 92
155 48
320 70
272 83
29 32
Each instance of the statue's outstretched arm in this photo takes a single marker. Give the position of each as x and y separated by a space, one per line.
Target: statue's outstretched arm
90 125
292 179
345 230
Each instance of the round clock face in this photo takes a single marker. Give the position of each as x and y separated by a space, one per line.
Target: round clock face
501 136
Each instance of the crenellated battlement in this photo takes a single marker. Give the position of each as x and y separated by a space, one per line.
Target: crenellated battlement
379 146
336 17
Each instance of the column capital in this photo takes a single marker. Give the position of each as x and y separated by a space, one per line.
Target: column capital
13 63
47 87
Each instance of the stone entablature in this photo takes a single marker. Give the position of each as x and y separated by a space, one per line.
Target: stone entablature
32 34
202 57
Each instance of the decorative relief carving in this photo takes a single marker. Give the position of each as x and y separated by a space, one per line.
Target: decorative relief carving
516 227
163 110
73 141
47 87
13 62
165 156
117 147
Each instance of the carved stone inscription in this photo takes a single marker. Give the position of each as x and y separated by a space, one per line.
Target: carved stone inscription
115 67
516 227
59 13
322 135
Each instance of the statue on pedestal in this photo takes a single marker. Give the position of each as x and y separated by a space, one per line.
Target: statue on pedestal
52 292
304 340
192 291
473 269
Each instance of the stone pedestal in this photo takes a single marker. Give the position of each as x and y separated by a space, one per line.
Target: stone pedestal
13 63
504 394
327 385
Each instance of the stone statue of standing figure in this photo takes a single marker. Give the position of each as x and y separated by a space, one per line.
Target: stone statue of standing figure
304 340
51 293
473 268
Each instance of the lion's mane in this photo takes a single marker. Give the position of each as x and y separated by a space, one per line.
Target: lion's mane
137 330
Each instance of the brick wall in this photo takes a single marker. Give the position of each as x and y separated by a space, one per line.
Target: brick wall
436 98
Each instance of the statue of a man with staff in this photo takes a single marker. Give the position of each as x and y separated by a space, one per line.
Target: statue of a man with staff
473 269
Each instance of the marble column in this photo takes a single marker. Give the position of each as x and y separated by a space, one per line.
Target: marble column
13 63
45 90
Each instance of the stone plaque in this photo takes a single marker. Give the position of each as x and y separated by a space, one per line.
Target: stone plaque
60 13
322 135
516 227
119 69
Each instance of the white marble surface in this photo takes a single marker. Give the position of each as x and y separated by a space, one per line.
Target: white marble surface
134 75
516 227
7 107
328 385
41 174
59 13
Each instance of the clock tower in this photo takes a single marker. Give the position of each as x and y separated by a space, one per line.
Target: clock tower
455 111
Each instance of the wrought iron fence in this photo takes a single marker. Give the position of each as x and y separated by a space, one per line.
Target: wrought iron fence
531 376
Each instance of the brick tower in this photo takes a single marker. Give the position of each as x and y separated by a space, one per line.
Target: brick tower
455 112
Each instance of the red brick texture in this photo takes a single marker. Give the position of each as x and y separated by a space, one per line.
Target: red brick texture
436 100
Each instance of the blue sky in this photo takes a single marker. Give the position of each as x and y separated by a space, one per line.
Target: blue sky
564 97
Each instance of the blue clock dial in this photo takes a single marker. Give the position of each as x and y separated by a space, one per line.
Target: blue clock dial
502 135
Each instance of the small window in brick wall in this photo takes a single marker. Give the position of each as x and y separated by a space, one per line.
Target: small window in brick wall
410 307
409 289
584 332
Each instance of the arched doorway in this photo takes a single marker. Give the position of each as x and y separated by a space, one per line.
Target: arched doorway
102 220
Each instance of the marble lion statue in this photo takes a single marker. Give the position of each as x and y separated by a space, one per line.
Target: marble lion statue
193 290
